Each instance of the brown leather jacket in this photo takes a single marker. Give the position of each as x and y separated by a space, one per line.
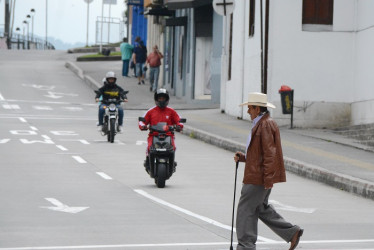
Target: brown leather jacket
264 160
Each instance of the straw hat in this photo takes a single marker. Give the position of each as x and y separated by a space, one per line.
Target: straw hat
258 99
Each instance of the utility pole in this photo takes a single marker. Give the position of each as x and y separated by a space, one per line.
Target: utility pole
7 23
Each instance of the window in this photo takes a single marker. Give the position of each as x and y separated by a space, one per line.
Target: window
318 12
252 17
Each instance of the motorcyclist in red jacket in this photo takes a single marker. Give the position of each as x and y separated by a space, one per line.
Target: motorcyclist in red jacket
160 113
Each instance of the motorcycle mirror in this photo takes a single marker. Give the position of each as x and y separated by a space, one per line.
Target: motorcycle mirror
141 119
183 120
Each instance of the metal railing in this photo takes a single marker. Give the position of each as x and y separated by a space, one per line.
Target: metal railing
21 42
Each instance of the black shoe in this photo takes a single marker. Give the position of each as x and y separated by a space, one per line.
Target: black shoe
138 83
142 82
150 89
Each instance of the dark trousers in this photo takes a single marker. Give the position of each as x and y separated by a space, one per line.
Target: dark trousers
253 205
125 67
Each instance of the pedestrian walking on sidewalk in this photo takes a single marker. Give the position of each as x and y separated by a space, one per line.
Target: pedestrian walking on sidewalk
126 53
263 167
139 57
154 61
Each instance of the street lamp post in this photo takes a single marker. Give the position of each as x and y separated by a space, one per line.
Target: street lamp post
88 15
46 23
27 39
18 42
32 25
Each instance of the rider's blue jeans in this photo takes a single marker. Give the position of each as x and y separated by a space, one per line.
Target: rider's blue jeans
102 112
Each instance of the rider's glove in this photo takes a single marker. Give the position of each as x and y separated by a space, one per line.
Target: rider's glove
178 128
144 127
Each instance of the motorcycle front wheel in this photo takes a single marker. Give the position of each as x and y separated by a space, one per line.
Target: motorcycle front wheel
112 131
161 176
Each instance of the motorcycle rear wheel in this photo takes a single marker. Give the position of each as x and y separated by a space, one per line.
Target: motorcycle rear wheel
161 176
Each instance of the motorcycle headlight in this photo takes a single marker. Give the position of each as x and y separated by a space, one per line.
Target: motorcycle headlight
112 107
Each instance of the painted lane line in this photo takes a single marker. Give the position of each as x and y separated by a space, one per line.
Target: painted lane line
189 213
46 137
104 176
84 142
42 107
120 246
3 141
1 97
34 128
188 244
62 147
79 159
22 119
11 106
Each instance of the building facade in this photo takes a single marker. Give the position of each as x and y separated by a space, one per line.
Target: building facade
320 48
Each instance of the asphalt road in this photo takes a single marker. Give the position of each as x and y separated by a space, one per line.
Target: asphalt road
62 186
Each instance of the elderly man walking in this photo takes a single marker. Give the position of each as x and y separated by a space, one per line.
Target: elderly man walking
263 167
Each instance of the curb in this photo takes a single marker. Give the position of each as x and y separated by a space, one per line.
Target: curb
347 183
79 72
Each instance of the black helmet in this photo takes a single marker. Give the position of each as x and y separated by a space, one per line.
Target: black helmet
162 93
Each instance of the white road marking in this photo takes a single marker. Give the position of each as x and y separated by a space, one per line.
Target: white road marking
81 141
185 211
34 128
280 206
104 175
23 132
185 245
40 87
1 97
42 108
22 119
63 133
79 159
62 147
3 141
138 143
25 141
46 137
60 207
73 108
11 106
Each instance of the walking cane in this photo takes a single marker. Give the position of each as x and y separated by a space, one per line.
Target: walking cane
233 205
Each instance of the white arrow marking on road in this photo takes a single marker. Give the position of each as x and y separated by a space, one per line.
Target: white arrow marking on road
280 206
2 141
60 207
1 97
138 143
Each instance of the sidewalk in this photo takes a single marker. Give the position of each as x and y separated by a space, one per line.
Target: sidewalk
315 154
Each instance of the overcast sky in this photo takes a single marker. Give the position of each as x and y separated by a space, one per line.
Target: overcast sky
67 19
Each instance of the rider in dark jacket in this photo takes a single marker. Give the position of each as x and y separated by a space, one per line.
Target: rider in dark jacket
111 91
